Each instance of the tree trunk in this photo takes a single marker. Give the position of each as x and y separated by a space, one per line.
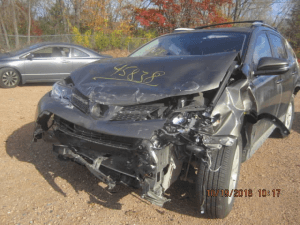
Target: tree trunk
15 23
77 6
236 9
4 32
29 22
63 11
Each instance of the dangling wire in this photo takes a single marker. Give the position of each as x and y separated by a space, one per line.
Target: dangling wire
209 162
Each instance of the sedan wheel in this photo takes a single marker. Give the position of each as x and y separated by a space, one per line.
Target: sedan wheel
9 78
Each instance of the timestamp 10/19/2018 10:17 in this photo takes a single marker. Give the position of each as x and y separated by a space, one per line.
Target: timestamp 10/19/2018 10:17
242 193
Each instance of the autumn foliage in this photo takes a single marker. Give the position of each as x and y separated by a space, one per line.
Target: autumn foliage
166 15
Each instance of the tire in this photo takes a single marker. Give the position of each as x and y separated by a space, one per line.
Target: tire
9 78
228 159
289 115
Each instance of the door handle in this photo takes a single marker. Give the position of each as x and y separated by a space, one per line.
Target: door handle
279 81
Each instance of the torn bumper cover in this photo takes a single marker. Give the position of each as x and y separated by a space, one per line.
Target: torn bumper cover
145 153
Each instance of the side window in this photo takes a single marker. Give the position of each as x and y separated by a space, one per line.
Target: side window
43 53
60 52
51 52
278 46
78 53
262 48
65 52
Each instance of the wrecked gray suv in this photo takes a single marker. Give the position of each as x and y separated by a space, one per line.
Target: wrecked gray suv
191 105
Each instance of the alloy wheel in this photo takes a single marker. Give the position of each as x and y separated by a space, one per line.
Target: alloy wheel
10 78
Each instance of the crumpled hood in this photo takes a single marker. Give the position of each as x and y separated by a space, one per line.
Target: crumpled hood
132 80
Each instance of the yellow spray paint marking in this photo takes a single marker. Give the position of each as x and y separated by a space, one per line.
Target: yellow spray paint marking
133 74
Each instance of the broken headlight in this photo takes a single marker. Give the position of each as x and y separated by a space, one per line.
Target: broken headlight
216 120
97 110
61 92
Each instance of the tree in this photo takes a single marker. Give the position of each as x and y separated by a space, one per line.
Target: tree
292 28
4 32
29 22
77 4
15 23
166 15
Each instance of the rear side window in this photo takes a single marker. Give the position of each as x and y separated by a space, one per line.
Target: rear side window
278 46
262 48
78 53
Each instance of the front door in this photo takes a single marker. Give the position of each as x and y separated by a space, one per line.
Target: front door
286 79
48 64
267 90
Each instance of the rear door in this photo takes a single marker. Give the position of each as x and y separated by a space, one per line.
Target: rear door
287 78
48 64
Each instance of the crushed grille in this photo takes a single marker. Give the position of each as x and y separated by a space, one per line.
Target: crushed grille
140 108
124 117
100 138
80 101
135 113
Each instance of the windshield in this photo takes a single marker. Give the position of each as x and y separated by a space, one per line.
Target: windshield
194 43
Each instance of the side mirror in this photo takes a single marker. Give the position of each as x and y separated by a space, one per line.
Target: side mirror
272 66
30 56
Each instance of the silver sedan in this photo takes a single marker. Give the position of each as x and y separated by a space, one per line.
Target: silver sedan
43 62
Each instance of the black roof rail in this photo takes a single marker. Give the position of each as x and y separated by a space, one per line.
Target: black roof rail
217 24
254 22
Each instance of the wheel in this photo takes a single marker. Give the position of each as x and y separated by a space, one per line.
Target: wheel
228 160
9 78
289 116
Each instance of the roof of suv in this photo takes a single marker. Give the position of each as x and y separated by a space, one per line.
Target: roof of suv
254 24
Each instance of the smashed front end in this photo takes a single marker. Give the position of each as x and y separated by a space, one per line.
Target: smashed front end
147 139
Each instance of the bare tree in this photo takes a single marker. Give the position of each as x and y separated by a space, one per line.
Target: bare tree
77 6
252 9
4 32
15 23
63 13
283 12
29 22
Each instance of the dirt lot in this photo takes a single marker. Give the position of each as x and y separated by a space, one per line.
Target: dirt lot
36 188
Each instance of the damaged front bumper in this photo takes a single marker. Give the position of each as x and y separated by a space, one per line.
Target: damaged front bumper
149 154
119 151
129 159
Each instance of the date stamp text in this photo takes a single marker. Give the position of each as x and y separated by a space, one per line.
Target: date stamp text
242 193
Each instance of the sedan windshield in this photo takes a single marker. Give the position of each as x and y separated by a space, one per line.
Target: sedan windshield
194 43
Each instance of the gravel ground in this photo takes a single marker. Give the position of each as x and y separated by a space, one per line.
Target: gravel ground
36 188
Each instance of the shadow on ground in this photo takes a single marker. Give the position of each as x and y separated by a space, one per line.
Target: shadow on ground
295 127
296 123
37 84
40 154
